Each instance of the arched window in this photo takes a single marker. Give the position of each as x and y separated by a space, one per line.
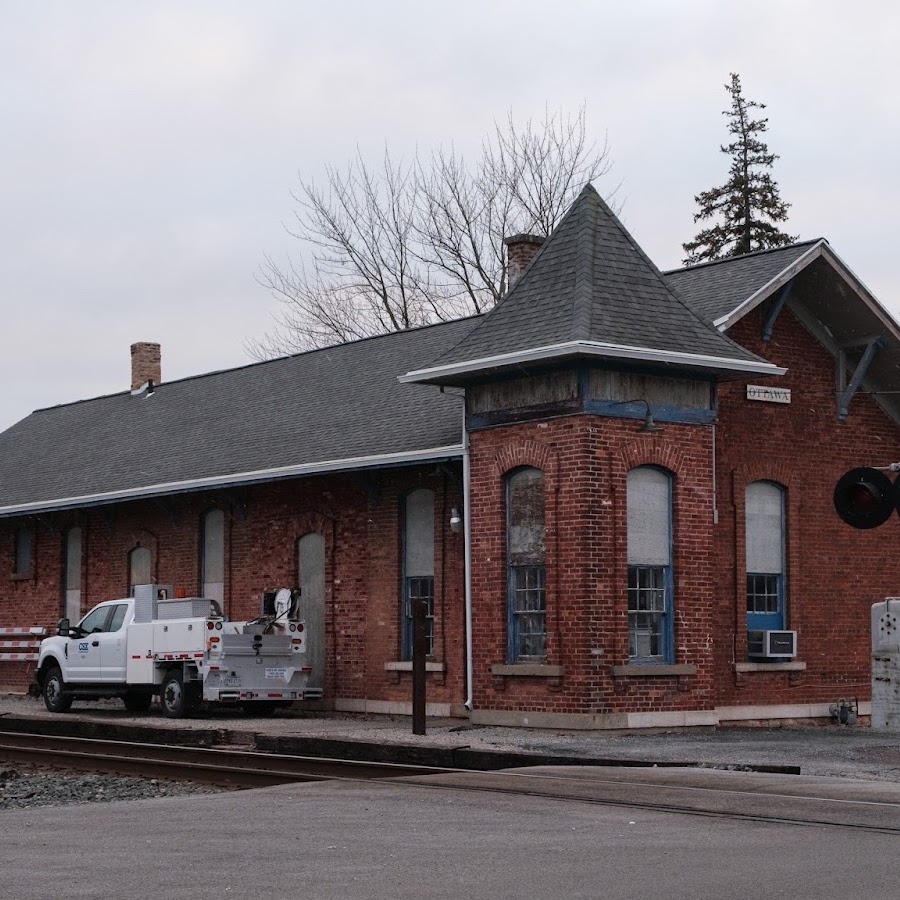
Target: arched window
72 553
765 543
24 557
140 567
650 582
212 555
418 566
526 566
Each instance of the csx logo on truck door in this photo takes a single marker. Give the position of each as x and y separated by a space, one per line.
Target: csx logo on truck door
83 647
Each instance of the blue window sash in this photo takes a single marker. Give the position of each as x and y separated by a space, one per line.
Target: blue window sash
667 631
773 620
533 618
424 589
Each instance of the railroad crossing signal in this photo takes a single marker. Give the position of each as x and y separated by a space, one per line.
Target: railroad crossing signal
866 497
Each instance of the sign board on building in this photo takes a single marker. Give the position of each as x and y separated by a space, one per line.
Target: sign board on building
768 394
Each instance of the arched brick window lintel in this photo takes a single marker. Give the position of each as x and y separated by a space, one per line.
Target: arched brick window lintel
662 454
526 453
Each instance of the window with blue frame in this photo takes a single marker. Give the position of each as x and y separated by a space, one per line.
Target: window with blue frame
526 572
650 581
765 543
418 566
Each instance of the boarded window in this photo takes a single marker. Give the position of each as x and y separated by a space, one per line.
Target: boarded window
139 567
24 559
649 517
765 528
213 555
73 574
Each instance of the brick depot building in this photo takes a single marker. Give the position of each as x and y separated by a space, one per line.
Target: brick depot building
582 566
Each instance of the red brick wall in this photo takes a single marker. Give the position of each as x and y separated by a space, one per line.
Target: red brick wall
835 573
585 461
362 572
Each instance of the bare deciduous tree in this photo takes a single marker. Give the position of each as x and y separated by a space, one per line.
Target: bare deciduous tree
410 243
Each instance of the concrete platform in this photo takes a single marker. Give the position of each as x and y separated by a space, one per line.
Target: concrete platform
857 753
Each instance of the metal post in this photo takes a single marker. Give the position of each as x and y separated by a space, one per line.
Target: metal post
420 610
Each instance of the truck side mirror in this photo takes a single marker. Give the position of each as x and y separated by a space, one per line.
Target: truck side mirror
62 629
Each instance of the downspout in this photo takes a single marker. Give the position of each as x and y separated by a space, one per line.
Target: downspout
467 538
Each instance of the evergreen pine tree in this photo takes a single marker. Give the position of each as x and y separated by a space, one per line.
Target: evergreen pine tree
748 203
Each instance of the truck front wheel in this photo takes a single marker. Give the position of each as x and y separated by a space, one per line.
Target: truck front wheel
54 698
174 697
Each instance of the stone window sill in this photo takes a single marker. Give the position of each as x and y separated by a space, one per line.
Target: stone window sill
26 576
529 670
747 667
406 666
652 671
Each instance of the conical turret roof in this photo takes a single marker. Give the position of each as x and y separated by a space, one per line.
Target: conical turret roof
591 292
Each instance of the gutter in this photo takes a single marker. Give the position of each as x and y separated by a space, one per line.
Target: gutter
467 534
594 348
382 460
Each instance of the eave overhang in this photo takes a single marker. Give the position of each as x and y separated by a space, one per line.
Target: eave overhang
238 479
820 249
463 372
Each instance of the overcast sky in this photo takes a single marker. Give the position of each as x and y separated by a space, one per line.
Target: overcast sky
148 149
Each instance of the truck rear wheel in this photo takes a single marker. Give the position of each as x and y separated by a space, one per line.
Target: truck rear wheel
54 698
175 698
137 700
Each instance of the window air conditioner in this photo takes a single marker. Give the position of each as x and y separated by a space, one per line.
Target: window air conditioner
772 644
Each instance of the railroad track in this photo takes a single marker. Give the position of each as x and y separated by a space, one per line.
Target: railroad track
229 768
246 769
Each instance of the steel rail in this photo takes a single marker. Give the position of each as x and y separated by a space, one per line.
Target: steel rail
244 768
231 768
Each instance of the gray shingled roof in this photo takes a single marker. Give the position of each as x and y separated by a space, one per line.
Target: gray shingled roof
341 403
590 282
713 290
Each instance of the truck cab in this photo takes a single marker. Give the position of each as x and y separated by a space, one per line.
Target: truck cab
90 655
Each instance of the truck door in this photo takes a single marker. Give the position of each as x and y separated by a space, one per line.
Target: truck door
85 651
113 657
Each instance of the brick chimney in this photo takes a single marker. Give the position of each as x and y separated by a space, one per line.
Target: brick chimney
146 365
521 249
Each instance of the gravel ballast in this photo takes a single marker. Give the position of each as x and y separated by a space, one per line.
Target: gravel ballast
24 787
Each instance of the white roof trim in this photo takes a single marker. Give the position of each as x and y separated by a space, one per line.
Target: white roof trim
595 348
240 478
725 322
820 248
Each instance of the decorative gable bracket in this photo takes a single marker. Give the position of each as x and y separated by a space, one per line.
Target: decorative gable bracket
859 373
775 311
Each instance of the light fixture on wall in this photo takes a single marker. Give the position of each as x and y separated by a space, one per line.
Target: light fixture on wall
649 425
455 520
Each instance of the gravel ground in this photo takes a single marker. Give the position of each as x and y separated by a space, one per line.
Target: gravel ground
27 787
833 751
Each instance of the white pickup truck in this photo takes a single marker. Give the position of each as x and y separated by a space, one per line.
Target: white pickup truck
181 649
